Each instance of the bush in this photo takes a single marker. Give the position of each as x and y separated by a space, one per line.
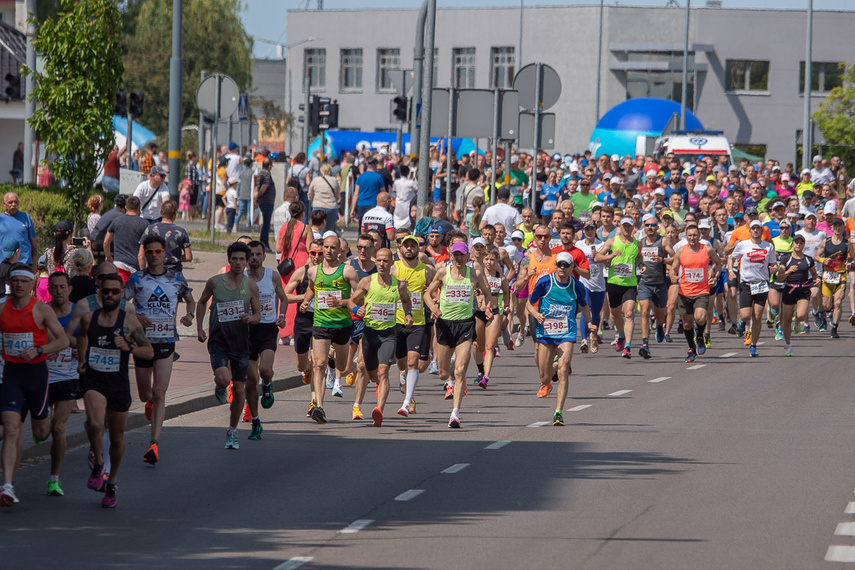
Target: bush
46 206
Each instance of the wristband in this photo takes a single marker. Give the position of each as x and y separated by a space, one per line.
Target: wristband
410 313
354 310
191 314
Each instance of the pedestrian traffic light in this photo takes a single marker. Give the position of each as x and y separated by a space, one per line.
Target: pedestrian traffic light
324 105
136 100
314 115
400 111
121 103
332 120
13 85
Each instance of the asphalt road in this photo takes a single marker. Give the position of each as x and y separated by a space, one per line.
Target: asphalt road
730 463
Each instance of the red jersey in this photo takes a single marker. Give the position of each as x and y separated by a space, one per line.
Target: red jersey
20 332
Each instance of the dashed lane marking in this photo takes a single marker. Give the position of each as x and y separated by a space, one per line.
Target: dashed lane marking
620 392
850 509
456 468
497 444
840 554
411 494
845 529
727 355
579 408
538 424
356 526
696 367
660 379
293 563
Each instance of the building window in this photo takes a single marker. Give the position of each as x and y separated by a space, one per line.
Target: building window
464 68
387 59
503 66
824 76
351 69
315 68
661 84
744 75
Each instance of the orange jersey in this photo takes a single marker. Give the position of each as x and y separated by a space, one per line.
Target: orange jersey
540 268
741 234
694 275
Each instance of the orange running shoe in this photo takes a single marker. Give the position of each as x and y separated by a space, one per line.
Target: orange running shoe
151 456
449 391
544 391
229 396
247 416
149 407
307 376
377 416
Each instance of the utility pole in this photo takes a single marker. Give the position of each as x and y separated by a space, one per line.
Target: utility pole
599 64
807 132
685 89
427 97
306 119
30 101
418 59
176 80
201 141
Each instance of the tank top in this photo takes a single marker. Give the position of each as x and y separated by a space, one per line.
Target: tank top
360 275
20 332
455 298
838 263
528 236
622 267
301 290
654 272
694 265
442 256
106 364
64 366
540 268
267 296
331 287
380 304
227 308
416 281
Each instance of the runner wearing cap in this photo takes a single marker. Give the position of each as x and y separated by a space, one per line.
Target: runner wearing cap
435 248
653 284
554 302
520 288
783 244
814 238
539 262
756 259
455 320
835 255
595 286
295 291
623 255
797 271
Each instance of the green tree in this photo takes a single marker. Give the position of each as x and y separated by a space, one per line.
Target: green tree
76 92
836 118
213 39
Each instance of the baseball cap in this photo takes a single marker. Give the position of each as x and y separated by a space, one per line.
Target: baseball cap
607 175
10 245
574 167
647 217
808 194
233 146
514 159
794 215
652 172
778 204
710 178
805 171
157 170
329 233
668 213
755 223
409 238
518 234
704 224
556 157
751 211
590 224
785 177
690 179
43 261
435 229
738 216
615 158
627 221
233 180
836 221
810 214
817 158
776 168
615 180
479 241
63 226
798 237
830 208
460 247
659 192
565 257
596 206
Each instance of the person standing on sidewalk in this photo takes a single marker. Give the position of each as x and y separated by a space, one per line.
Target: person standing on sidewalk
234 306
265 197
156 292
246 178
121 242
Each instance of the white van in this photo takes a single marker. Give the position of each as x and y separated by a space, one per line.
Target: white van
689 145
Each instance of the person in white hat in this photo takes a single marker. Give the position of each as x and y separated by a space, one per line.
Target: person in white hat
756 258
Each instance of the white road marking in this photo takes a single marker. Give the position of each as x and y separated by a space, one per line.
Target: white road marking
497 445
660 379
845 529
620 392
696 367
456 468
579 408
538 424
761 343
356 526
840 554
727 355
293 563
850 509
411 494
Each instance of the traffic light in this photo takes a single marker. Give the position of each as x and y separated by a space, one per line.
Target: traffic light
13 85
324 106
121 103
332 120
400 111
314 115
135 108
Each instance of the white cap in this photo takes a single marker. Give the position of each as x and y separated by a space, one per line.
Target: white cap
817 158
515 158
329 233
607 175
596 206
648 217
615 180
479 241
755 223
805 171
574 167
627 221
652 172
518 234
809 214
659 191
615 158
704 224
830 208
564 256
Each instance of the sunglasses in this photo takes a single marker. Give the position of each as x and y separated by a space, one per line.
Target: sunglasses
157 251
562 264
650 225
111 291
422 244
316 253
363 247
542 236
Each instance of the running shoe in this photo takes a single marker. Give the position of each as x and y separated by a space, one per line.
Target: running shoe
149 407
788 350
336 391
307 376
267 397
769 322
404 411
554 376
350 378
668 338
91 459
402 382
626 354
558 419
593 343
7 496
606 325
247 415
690 357
433 367
520 338
741 328
377 416
357 412
449 391
644 352
852 320
805 329
660 334
229 397
330 378
412 405
834 332
318 415
752 350
544 391
583 347
54 489
152 455
733 329
614 342
721 326
747 340
454 422
680 327
311 406
621 342
232 441
817 319
779 334
496 352
701 347
220 395
823 322
110 499
483 382
478 378
95 482
255 432
707 341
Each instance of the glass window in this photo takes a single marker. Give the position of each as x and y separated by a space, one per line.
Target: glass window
351 69
663 84
824 76
503 63
464 68
745 75
315 68
387 59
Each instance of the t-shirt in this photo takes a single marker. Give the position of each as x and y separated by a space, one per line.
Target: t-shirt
176 239
155 197
597 281
231 198
127 231
754 260
370 185
503 214
156 297
378 218
742 233
245 186
20 226
813 240
582 204
96 236
269 196
405 191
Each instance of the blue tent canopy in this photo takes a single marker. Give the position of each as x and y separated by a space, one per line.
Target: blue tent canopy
141 134
338 141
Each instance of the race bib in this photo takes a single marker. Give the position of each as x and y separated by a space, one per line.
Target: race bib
324 298
585 214
495 284
267 304
760 288
693 275
415 301
228 311
383 312
554 242
15 343
64 362
831 277
104 359
458 294
623 269
160 328
550 205
556 327
649 253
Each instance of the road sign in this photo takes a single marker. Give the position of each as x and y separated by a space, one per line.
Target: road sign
509 114
547 131
243 107
401 79
474 113
439 113
206 96
525 82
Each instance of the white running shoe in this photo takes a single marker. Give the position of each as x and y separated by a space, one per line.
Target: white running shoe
330 378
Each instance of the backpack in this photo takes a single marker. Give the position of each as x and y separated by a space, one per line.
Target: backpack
294 178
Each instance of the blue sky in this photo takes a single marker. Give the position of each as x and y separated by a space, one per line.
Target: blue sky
267 18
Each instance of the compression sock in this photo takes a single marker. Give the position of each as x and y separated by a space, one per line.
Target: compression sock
412 381
480 367
690 338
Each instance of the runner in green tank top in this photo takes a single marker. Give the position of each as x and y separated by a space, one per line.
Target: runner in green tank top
330 285
624 259
381 293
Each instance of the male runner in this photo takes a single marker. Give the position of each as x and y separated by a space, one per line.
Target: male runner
814 238
263 337
296 290
756 259
234 307
366 248
653 284
836 255
105 339
539 262
156 292
25 322
595 286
